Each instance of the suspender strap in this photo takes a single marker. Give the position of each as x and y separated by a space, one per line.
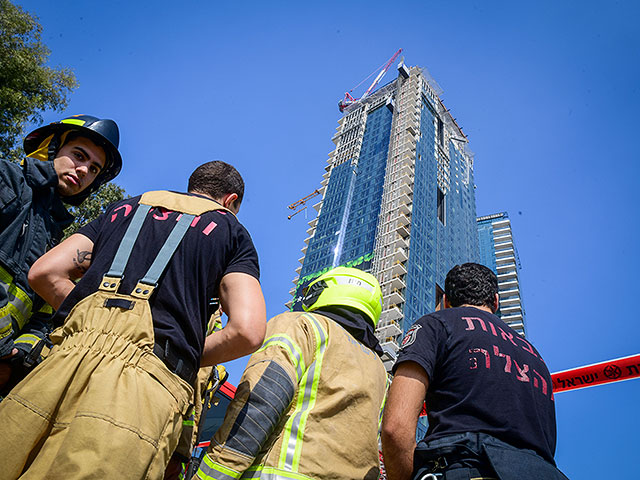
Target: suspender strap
144 288
126 246
167 250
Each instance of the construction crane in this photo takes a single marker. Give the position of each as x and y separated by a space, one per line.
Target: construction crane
300 202
349 99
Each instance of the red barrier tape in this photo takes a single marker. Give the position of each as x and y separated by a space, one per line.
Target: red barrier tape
610 371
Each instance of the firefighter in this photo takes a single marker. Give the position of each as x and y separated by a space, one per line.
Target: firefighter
111 397
66 162
487 391
309 402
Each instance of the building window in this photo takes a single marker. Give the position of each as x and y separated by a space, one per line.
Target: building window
440 132
441 207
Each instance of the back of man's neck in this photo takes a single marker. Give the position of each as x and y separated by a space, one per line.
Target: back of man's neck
479 307
195 192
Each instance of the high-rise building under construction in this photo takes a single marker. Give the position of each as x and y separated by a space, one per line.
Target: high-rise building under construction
397 200
498 252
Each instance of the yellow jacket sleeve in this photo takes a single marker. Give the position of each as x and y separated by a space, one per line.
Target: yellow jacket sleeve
263 397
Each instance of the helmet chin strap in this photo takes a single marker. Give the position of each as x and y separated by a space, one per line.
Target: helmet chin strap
54 145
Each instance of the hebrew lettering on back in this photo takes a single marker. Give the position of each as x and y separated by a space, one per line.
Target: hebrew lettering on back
507 358
474 360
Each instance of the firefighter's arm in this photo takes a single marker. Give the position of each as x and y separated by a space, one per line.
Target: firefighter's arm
263 399
400 418
12 182
52 275
241 299
11 186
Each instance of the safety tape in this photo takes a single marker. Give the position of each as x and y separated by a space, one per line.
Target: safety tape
611 371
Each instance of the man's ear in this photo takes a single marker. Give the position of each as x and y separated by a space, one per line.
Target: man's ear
496 303
229 201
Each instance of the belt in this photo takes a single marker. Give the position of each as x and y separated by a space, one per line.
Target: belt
456 474
455 466
174 363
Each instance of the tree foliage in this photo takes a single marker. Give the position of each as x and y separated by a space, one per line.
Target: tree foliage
95 205
27 86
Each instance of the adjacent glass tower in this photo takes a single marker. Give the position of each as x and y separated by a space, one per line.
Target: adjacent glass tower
498 252
397 200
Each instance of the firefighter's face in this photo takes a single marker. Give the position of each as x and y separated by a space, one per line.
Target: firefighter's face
77 165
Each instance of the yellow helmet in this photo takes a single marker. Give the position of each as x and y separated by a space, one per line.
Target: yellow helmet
345 286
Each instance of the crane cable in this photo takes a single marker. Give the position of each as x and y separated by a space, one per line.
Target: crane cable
370 75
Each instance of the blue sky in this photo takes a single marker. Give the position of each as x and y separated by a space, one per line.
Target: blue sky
548 93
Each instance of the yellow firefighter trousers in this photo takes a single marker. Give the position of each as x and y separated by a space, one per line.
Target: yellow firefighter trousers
101 406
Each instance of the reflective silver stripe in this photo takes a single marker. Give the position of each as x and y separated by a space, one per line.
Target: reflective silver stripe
384 402
210 470
270 473
6 325
28 338
292 348
20 308
267 476
309 394
340 280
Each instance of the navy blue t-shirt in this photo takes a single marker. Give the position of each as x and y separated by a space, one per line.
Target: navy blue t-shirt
214 245
483 377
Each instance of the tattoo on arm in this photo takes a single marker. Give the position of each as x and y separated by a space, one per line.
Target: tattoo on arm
82 260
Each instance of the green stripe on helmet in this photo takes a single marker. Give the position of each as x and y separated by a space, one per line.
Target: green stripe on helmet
73 121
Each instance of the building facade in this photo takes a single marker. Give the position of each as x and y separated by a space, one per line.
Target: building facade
498 252
398 200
